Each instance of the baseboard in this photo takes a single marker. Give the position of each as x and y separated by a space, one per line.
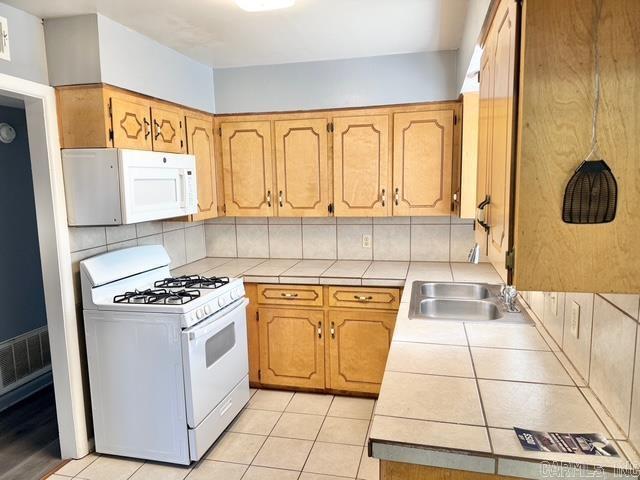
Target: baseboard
23 391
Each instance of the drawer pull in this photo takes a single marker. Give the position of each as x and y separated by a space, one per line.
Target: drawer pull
319 329
362 298
288 295
333 330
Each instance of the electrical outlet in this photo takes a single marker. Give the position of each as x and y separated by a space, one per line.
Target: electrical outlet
553 296
366 240
575 319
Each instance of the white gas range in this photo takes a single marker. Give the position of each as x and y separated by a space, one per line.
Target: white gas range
168 361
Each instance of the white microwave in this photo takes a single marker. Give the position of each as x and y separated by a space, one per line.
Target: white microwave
109 186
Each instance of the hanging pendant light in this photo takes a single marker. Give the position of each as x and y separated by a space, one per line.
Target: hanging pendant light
591 196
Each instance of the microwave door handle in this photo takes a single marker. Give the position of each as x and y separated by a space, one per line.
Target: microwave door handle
184 187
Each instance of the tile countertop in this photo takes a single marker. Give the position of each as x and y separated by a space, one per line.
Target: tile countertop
452 391
338 272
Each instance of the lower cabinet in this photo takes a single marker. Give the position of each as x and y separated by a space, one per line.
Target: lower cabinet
358 348
291 347
318 347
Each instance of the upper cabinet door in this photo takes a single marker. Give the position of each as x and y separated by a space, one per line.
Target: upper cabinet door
247 164
131 123
167 129
422 162
200 144
361 166
301 167
500 162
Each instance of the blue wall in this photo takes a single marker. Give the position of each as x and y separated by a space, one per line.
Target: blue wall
21 289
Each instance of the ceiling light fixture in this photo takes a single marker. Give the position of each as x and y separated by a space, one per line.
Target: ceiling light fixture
264 5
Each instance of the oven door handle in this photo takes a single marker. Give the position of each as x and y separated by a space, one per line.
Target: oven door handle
213 325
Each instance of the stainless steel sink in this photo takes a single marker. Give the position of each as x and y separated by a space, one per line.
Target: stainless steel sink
447 308
467 302
473 291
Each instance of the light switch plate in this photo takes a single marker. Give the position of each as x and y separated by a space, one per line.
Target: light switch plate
366 240
5 54
575 320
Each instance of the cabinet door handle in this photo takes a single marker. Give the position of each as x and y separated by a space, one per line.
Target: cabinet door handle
384 197
396 196
158 129
320 329
268 198
280 200
333 330
362 298
288 295
147 128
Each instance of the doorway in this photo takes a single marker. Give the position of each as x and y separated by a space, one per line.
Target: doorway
55 264
29 445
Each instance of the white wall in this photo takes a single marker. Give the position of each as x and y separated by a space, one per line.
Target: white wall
135 62
28 58
416 77
472 25
93 48
72 50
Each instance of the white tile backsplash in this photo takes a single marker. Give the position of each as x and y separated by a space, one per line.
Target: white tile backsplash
612 352
121 233
393 238
82 238
195 245
221 240
350 240
319 241
253 241
175 244
285 241
430 243
392 242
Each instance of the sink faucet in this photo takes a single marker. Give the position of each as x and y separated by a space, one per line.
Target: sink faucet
474 254
508 294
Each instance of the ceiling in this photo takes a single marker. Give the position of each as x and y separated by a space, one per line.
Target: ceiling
220 34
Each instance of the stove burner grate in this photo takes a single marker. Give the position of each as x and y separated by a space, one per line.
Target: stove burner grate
158 296
192 281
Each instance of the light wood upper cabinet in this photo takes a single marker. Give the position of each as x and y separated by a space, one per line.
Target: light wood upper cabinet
200 143
247 164
497 132
131 123
361 165
358 348
292 347
422 162
302 167
167 129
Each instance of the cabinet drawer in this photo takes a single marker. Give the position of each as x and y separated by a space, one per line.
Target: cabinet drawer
381 298
307 295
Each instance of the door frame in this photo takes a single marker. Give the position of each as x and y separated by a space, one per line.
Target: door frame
53 238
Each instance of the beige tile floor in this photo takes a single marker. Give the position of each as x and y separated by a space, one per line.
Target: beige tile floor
278 436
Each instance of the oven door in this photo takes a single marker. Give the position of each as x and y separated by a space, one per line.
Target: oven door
156 185
215 358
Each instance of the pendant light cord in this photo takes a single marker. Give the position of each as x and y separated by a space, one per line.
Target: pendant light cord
594 154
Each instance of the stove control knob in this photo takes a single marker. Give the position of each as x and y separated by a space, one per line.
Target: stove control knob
234 294
207 309
221 302
199 314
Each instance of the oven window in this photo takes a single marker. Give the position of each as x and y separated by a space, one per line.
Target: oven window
220 343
